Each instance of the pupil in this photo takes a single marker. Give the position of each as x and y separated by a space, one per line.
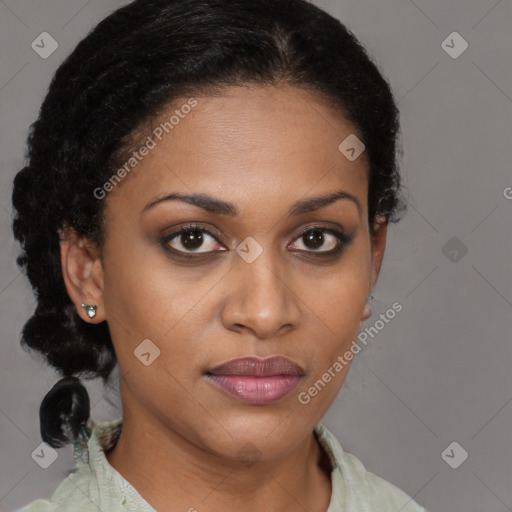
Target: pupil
192 239
316 239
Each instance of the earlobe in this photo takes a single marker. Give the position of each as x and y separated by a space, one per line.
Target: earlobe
82 273
367 311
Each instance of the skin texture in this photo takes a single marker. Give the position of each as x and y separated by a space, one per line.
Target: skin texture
262 148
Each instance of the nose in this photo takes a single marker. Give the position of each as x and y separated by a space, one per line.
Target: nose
260 299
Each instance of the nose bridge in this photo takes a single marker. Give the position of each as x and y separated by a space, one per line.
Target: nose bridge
263 276
260 298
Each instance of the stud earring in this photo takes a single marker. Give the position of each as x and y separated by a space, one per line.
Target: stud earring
90 309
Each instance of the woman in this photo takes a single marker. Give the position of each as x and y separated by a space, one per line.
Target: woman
205 204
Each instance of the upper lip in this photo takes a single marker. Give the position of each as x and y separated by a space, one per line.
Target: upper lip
255 366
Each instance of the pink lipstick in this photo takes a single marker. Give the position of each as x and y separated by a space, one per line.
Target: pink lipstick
257 381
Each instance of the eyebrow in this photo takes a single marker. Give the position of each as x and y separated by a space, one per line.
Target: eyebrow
220 207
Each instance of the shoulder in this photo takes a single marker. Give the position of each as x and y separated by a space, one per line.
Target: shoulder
91 485
70 496
381 493
38 506
359 489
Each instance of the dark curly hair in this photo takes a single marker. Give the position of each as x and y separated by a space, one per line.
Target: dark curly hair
119 77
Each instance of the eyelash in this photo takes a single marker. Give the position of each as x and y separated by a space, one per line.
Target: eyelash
343 241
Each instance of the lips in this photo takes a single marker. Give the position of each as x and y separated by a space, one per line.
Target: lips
256 381
257 367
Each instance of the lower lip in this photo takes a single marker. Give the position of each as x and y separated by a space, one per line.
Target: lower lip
256 390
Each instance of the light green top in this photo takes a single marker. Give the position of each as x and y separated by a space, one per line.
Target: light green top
94 485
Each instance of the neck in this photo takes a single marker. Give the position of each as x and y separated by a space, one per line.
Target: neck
191 477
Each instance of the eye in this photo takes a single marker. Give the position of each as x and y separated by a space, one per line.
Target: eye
195 239
314 238
191 238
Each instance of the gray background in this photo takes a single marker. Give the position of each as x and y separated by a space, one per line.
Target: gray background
438 372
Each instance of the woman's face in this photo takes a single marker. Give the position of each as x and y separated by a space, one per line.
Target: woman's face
252 285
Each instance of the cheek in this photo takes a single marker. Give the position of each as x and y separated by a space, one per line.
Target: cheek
341 299
335 322
337 303
339 296
137 291
146 297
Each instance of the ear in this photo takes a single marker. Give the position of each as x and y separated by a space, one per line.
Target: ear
378 245
378 241
82 271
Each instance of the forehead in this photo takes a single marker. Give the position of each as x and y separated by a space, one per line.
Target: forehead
247 144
